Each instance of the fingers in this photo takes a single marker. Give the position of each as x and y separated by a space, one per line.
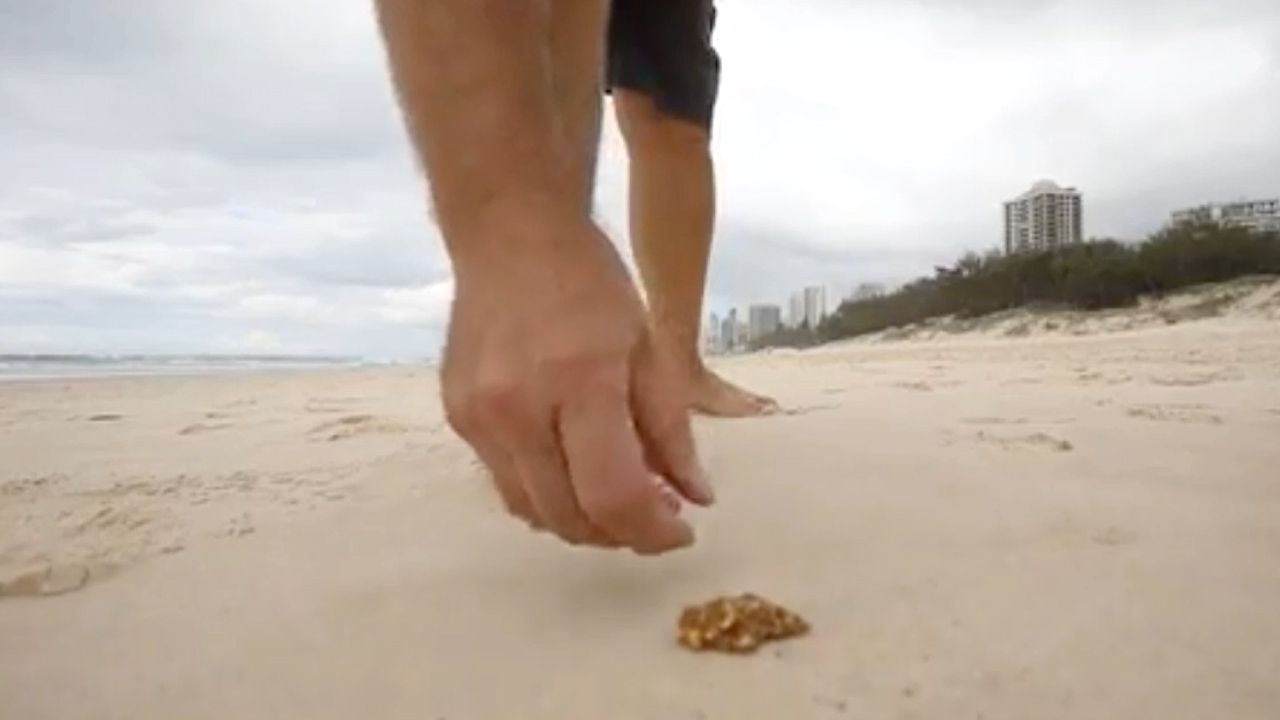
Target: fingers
615 488
466 419
510 487
662 420
585 474
547 484
518 444
506 478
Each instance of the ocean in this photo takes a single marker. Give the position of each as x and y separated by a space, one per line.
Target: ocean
55 366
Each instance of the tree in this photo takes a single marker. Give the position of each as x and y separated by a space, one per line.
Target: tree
1095 274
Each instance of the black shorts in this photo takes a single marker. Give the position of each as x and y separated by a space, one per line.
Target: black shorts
662 48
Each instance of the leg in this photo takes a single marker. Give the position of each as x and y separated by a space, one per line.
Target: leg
664 114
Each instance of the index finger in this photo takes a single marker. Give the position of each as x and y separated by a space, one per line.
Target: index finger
606 462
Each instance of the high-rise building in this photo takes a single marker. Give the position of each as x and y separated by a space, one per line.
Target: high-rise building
807 306
815 305
711 335
795 310
742 329
763 320
1043 218
1260 215
729 331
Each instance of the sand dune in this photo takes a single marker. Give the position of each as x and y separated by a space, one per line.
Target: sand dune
1246 300
978 524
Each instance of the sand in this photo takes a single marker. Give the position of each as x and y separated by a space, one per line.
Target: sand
1055 524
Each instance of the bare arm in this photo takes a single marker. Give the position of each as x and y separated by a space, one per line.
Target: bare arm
474 82
550 372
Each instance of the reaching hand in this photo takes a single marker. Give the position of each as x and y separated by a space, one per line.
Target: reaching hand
551 374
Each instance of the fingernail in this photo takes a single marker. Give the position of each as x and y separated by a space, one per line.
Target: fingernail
670 498
701 486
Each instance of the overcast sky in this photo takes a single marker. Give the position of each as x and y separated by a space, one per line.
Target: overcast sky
231 175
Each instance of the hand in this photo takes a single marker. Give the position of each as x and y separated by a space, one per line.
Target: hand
552 376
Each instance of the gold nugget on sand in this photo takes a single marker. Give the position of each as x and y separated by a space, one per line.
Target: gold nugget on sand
737 624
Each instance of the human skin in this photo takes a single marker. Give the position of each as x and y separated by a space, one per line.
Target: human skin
551 370
672 219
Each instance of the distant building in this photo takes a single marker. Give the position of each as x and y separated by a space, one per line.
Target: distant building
741 331
763 320
1043 218
711 336
815 305
807 307
1259 215
728 330
735 334
795 310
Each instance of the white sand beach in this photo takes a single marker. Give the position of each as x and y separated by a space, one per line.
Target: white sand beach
1034 516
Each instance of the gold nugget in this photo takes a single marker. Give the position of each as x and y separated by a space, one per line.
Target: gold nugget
737 624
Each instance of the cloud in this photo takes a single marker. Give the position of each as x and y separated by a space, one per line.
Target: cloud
222 174
424 305
256 342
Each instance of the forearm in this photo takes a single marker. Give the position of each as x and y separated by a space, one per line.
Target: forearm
473 80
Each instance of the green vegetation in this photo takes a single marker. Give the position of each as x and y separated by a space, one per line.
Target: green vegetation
795 337
1091 275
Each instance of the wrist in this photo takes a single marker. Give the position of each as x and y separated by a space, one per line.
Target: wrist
515 242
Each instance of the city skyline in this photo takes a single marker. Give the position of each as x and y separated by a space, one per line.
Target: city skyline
737 330
1260 214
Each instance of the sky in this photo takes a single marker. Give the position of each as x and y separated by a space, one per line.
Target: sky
231 176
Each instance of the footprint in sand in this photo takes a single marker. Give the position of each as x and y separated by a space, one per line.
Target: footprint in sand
240 526
56 579
1024 381
806 409
1175 413
1187 380
1014 421
1036 441
28 485
355 425
922 386
1085 376
201 428
336 404
1113 536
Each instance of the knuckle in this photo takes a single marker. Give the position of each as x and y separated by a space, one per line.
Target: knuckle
571 373
495 399
616 508
458 411
461 420
596 364
477 407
